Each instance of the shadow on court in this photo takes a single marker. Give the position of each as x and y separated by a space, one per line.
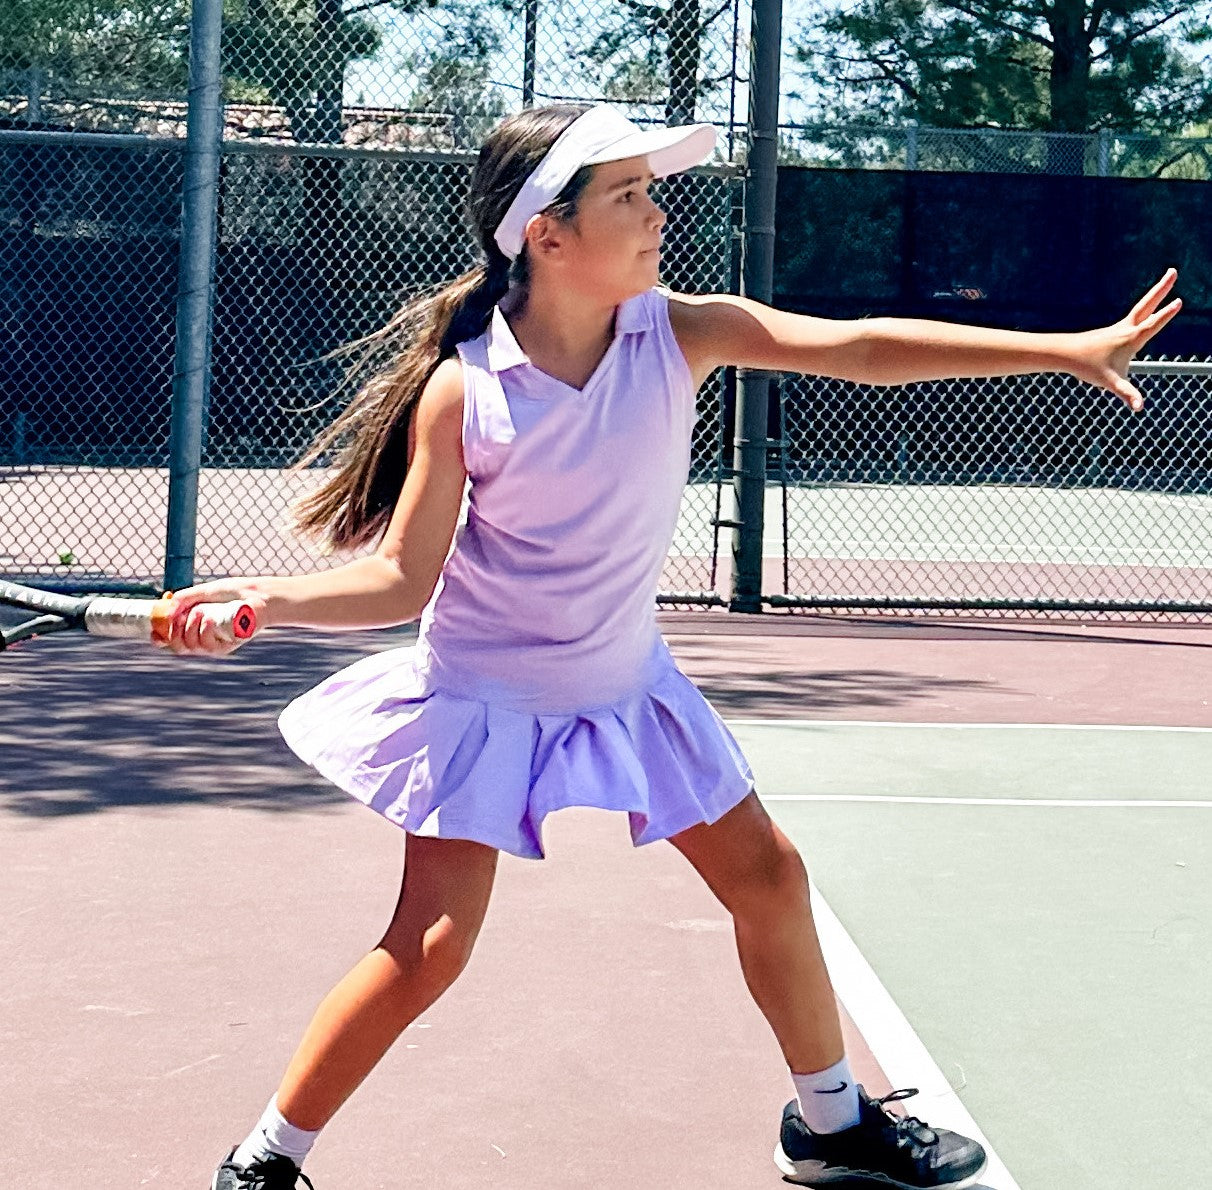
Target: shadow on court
817 692
88 725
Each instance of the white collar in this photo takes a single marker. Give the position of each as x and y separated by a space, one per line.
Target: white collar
504 351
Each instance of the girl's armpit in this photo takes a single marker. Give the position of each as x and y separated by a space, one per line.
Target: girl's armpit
722 330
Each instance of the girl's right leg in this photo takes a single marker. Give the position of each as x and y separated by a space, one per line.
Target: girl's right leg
443 898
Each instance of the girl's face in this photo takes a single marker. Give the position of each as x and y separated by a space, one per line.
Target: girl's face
611 249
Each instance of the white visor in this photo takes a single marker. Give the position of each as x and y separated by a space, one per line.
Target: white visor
602 134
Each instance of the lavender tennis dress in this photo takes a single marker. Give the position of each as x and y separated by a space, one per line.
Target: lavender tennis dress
539 679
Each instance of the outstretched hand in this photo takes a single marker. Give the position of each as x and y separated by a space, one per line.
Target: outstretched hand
1102 357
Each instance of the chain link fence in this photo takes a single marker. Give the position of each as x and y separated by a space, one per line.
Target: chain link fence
1106 154
88 288
350 132
1028 493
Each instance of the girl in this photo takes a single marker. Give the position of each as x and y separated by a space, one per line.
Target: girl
560 379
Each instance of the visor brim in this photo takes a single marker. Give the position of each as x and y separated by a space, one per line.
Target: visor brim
669 150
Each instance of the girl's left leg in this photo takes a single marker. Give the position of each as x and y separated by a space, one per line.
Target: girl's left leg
828 1138
758 876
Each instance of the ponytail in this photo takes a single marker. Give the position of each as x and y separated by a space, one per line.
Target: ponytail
392 366
354 503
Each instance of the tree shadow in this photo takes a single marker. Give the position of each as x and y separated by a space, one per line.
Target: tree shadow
742 687
89 725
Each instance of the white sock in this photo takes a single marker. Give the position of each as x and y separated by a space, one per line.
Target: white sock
275 1134
829 1098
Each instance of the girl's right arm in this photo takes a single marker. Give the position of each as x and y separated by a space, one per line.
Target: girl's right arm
390 586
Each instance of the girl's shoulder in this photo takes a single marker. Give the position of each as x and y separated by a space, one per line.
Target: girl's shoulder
439 408
444 388
694 319
692 313
436 421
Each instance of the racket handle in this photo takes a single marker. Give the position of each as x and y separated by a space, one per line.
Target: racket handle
148 619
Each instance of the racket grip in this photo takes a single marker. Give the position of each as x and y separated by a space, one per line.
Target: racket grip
148 619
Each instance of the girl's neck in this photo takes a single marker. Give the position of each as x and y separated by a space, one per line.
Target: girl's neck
560 331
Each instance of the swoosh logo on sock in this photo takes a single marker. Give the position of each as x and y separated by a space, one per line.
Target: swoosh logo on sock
833 1090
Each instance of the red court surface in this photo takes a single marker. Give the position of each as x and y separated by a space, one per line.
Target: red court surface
179 893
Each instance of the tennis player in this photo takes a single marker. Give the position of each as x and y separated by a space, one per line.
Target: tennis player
561 379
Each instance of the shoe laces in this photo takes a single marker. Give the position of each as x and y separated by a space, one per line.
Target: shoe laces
268 1175
907 1130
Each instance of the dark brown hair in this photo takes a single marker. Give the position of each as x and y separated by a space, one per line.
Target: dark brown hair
354 503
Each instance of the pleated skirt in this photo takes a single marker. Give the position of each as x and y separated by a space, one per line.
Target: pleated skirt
440 764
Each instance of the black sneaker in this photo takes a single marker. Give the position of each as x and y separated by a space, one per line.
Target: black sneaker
882 1148
275 1173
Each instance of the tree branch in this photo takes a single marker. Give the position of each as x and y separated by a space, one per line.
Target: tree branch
1027 64
1165 165
1137 34
367 7
986 18
894 78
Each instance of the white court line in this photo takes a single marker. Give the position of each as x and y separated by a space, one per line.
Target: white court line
1062 803
961 726
897 1048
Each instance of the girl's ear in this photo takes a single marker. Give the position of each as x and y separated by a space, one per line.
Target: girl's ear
539 234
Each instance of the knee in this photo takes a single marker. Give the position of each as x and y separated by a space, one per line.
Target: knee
774 879
429 961
446 952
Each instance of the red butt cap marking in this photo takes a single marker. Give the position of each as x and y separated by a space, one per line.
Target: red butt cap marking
244 623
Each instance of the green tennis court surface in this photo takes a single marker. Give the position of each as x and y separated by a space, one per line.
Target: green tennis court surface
1036 901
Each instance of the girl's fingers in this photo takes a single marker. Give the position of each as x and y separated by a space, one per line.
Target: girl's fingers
1154 323
193 625
1149 302
192 632
202 633
184 603
1127 392
206 635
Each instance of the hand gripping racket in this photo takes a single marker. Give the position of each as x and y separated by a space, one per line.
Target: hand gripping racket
102 615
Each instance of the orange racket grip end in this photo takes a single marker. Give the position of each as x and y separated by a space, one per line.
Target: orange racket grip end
161 615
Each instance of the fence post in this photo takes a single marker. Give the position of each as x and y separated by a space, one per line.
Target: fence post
195 290
757 274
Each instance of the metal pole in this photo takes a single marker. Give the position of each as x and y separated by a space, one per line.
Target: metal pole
191 365
531 38
757 276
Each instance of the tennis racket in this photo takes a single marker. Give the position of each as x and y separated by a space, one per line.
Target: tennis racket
104 615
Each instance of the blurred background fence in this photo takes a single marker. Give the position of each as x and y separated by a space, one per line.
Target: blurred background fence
348 136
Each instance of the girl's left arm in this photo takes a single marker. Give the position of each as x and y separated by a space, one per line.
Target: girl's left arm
720 329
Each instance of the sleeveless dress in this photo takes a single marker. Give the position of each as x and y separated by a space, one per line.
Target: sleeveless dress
539 679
